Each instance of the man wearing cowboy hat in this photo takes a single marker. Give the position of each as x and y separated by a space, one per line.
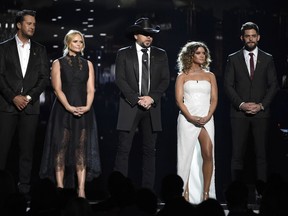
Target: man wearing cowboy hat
140 103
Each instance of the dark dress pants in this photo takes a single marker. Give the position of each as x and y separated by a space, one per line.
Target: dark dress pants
143 122
241 128
26 125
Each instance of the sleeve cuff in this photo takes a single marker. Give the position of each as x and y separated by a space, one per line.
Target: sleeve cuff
261 106
241 105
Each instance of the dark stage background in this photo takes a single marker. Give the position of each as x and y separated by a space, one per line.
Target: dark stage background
217 23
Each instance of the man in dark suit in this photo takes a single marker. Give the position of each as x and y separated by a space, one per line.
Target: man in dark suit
250 82
140 105
24 74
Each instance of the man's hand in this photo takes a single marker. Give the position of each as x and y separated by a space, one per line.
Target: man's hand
20 102
251 108
145 101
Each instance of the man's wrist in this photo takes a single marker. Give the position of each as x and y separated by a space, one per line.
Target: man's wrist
241 105
261 106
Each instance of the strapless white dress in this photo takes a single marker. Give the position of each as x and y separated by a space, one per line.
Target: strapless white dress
197 96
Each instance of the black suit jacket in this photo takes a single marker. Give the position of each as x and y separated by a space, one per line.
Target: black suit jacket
127 77
12 82
240 88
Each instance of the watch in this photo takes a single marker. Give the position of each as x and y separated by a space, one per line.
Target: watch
29 98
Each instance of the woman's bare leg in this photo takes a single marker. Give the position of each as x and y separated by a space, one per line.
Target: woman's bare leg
81 175
207 156
59 172
60 159
80 164
186 192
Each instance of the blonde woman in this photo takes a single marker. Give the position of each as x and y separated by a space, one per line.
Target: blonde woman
71 143
196 96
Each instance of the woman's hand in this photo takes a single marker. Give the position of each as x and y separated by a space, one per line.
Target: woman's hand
82 110
200 121
73 110
78 111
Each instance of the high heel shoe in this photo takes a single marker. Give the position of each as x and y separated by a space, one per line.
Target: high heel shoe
205 196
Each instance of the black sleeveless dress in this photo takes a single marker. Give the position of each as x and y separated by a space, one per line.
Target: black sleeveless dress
71 142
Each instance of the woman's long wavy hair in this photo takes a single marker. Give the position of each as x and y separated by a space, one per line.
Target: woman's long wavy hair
184 60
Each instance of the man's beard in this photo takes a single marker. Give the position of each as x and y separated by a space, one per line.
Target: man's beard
144 45
27 36
250 48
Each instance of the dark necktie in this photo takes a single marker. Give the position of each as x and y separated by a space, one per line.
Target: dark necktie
251 65
145 72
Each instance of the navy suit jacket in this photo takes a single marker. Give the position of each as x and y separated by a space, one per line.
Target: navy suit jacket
127 80
240 88
12 82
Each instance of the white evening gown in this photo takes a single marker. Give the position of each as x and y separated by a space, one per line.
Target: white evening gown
189 159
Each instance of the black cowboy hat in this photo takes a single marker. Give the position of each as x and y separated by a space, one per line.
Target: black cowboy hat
142 26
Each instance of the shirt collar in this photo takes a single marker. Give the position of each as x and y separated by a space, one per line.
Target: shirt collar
246 52
20 43
138 48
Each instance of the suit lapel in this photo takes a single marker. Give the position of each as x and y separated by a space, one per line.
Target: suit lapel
242 64
152 59
15 56
258 62
152 64
32 57
134 60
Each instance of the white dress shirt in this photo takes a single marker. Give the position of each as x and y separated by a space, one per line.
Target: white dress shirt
247 58
139 54
24 53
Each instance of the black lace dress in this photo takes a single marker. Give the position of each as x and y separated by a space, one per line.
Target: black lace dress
71 142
